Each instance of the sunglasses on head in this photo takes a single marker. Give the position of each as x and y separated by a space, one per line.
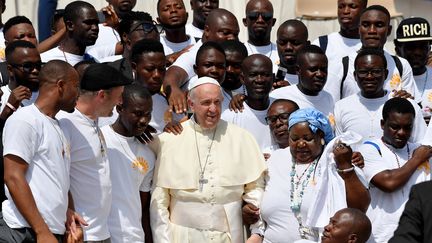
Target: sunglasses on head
148 27
28 67
253 16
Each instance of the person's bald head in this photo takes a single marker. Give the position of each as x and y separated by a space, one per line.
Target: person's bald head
347 225
221 25
59 81
292 36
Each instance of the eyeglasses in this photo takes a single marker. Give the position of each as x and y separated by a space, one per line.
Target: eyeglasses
253 16
283 117
28 67
148 27
375 72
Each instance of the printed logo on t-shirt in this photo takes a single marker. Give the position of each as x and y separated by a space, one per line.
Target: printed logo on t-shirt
140 164
425 167
395 82
429 96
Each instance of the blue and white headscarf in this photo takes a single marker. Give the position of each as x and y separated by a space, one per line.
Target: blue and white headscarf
316 120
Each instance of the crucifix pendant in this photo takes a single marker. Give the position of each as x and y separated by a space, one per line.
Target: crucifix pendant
202 181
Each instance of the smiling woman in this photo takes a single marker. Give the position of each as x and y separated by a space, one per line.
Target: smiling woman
314 182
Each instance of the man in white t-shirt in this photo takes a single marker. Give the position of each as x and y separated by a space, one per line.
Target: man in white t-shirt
37 161
131 166
338 44
361 112
200 10
374 28
392 166
413 40
24 64
220 25
81 22
312 75
259 22
172 16
257 76
100 90
292 36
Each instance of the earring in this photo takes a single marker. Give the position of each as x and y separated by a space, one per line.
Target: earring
322 141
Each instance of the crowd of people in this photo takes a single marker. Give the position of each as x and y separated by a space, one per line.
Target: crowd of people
127 127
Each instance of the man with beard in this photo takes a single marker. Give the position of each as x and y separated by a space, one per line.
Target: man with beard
259 22
201 10
82 29
173 17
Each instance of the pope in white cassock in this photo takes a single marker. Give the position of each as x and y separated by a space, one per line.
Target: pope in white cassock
203 175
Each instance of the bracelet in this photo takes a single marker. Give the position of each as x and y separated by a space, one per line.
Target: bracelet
345 170
11 106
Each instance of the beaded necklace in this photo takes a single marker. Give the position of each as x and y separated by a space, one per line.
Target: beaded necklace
297 193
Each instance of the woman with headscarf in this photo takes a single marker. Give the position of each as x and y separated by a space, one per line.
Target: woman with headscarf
309 180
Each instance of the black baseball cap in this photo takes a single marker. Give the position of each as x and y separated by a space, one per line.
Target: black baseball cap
100 76
413 29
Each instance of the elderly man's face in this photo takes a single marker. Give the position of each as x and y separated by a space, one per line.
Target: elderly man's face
206 102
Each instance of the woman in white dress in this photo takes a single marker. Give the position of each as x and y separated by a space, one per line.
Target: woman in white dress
309 181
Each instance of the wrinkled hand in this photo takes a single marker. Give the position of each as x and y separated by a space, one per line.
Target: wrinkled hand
46 237
111 18
357 159
402 94
254 238
147 136
73 226
250 214
342 155
173 127
280 83
236 103
173 57
19 94
176 100
422 153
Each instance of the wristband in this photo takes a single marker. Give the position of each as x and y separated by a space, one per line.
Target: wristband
345 170
11 106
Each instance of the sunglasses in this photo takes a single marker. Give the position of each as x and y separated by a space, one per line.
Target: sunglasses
148 27
28 67
283 117
253 16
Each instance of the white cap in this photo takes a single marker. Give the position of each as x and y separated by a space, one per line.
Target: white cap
193 83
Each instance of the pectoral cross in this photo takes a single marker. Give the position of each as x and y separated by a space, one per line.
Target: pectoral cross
202 181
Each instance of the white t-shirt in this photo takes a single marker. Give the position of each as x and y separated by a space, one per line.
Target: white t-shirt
322 102
131 165
229 94
253 121
393 82
5 97
339 46
39 141
363 116
159 113
57 54
427 140
424 84
386 208
89 173
194 32
106 36
281 223
269 51
186 61
171 47
292 78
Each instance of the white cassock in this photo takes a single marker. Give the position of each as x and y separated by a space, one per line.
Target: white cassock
180 211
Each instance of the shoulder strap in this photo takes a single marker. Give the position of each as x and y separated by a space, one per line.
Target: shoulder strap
375 145
323 41
345 62
399 65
